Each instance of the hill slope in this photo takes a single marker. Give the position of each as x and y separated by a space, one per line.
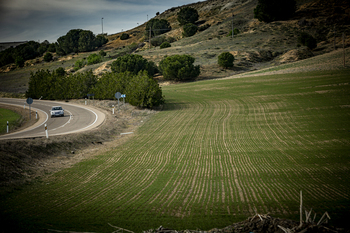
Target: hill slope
259 45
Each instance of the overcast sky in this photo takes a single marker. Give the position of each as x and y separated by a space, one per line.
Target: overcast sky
39 20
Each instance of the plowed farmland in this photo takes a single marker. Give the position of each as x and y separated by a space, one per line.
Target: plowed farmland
220 151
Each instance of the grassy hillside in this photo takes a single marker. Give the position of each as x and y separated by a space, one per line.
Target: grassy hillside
219 151
259 45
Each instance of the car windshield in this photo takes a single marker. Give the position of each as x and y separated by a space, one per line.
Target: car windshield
57 108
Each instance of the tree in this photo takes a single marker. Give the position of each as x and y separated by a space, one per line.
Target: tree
226 60
133 63
144 91
102 53
86 41
165 44
109 83
76 40
179 67
189 30
124 36
157 27
187 15
100 40
307 40
19 61
272 10
48 57
94 59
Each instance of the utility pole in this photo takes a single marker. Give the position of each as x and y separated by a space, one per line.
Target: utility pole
102 25
150 35
334 39
344 48
232 25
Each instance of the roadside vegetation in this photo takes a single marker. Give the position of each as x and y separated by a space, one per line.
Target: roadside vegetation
9 116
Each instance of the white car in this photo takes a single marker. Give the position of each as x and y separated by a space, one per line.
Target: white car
57 111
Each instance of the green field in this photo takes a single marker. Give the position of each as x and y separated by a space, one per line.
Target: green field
219 151
10 116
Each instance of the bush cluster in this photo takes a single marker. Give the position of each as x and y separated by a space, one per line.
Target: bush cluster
94 59
56 85
204 27
179 67
157 41
189 30
141 90
133 63
165 45
48 57
235 32
187 15
124 36
157 27
226 60
78 40
307 40
272 10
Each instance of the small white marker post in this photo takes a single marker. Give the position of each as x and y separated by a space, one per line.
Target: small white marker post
36 115
47 133
113 109
7 127
85 101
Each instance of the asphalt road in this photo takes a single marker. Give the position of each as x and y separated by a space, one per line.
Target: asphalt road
77 118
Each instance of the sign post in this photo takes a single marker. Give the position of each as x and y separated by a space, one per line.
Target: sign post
118 95
29 102
46 132
123 96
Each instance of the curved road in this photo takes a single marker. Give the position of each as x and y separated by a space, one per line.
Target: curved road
76 118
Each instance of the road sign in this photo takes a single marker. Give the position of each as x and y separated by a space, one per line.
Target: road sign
29 100
123 95
118 95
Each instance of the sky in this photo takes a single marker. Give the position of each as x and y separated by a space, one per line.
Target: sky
39 20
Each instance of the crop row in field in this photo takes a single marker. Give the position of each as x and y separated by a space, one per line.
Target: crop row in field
219 151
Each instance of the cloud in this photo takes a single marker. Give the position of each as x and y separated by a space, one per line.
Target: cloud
50 19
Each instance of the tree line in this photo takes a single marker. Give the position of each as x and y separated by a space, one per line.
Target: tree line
76 40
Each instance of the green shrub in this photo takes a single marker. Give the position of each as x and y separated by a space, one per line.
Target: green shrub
157 26
48 57
235 32
133 63
204 27
165 45
79 64
187 15
157 41
102 53
60 71
124 36
189 30
307 40
179 67
19 61
226 60
109 83
272 10
144 91
94 59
